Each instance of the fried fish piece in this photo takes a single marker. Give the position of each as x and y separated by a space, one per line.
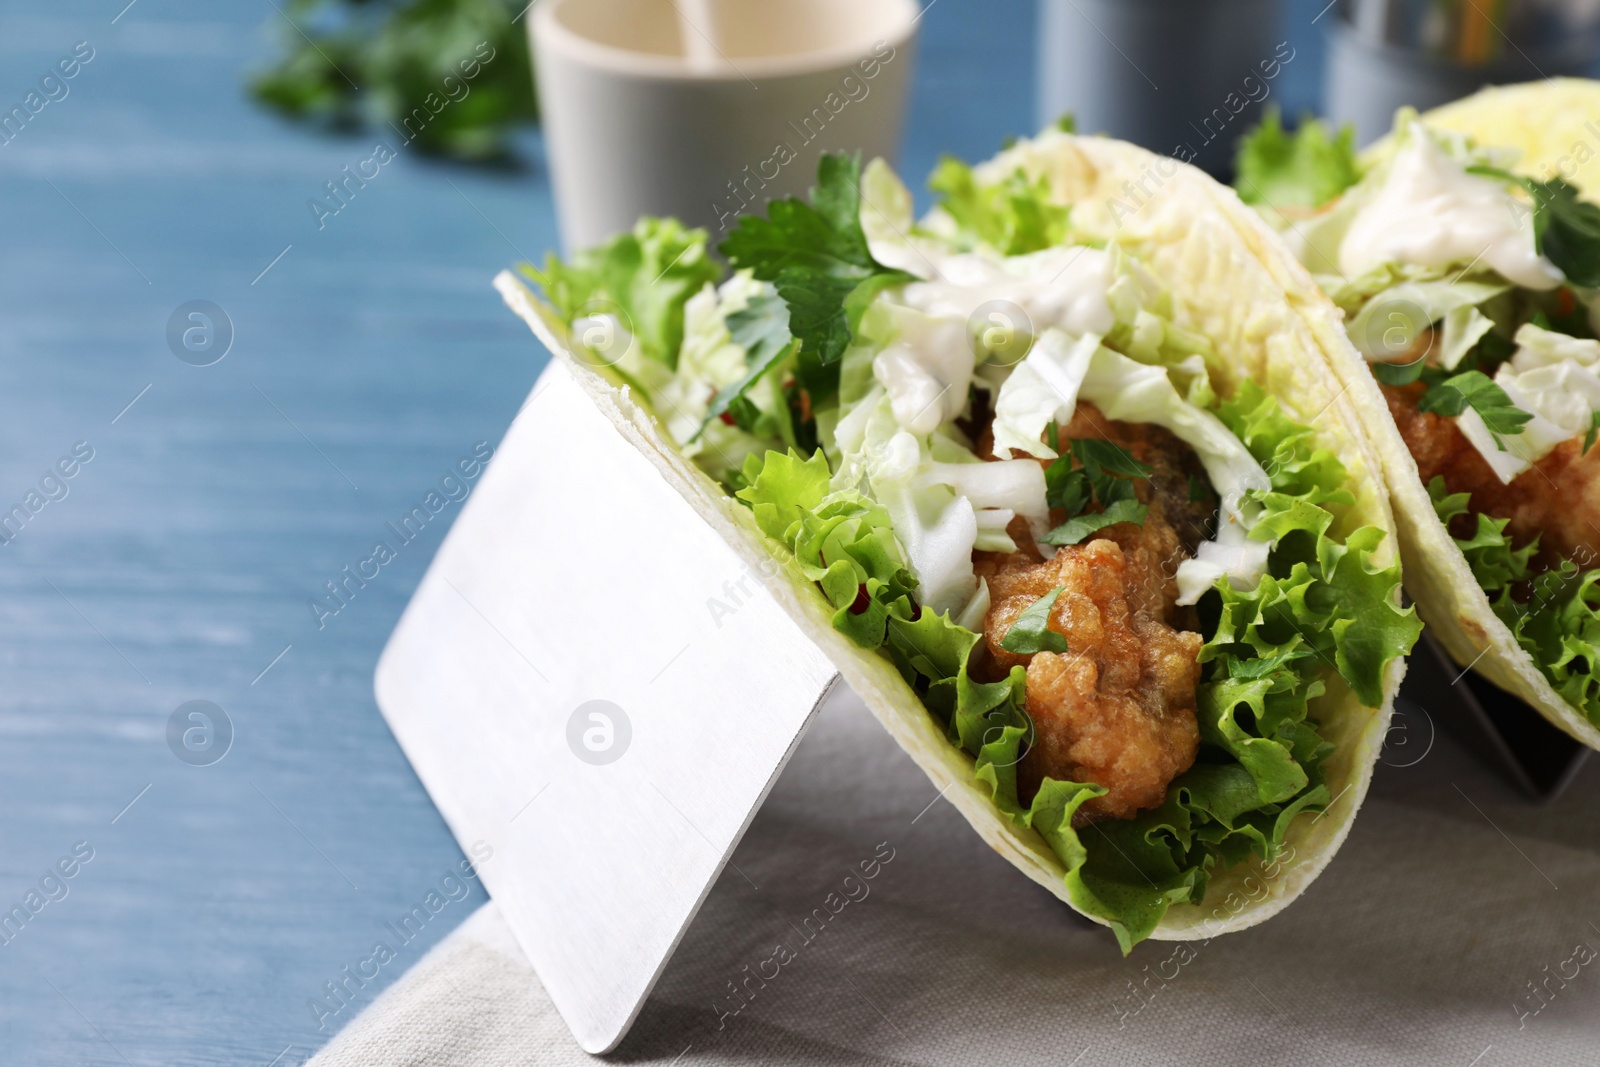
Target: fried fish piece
1557 499
1118 707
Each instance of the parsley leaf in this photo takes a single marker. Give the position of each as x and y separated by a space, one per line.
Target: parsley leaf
1075 529
1108 467
1103 475
1475 389
1066 487
1097 454
761 328
1594 428
1306 168
1109 490
1567 231
1491 351
406 55
1031 633
1399 373
816 256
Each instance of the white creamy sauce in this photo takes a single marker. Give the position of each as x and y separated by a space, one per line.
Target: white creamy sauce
1061 287
928 368
1432 213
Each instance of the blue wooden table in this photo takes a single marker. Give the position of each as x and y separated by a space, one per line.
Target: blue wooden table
207 507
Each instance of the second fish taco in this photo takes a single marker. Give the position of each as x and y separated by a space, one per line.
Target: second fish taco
1466 258
1059 480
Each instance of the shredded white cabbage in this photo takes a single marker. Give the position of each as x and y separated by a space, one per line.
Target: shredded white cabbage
1048 384
937 527
1393 320
973 614
926 369
1553 377
1043 385
1423 207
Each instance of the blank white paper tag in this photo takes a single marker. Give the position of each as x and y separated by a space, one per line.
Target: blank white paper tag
589 681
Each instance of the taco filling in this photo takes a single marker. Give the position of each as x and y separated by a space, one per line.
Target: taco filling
1472 294
1001 460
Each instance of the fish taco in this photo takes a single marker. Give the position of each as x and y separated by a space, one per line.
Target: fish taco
1058 478
1465 255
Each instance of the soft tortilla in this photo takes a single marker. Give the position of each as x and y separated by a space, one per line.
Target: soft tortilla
1232 281
1555 124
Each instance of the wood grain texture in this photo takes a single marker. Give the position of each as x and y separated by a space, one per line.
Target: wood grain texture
181 562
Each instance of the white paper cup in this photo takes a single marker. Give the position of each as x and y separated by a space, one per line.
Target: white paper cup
640 121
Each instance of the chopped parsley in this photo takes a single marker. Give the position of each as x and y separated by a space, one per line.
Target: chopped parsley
1031 632
1566 231
816 256
1474 389
1075 529
1105 475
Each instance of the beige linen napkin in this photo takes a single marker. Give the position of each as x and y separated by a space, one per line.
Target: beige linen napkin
1452 929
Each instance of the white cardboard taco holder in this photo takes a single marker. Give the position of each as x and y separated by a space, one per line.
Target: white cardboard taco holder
569 698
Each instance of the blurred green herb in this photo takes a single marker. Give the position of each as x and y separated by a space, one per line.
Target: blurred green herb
452 77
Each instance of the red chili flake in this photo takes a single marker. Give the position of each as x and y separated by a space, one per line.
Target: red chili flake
861 601
727 418
916 612
805 406
1566 302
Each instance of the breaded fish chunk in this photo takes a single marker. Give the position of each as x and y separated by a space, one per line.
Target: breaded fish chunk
1118 707
1557 499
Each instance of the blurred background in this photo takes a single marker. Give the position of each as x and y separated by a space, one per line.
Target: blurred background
252 304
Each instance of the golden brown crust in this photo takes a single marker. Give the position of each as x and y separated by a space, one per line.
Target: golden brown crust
1556 500
1118 707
